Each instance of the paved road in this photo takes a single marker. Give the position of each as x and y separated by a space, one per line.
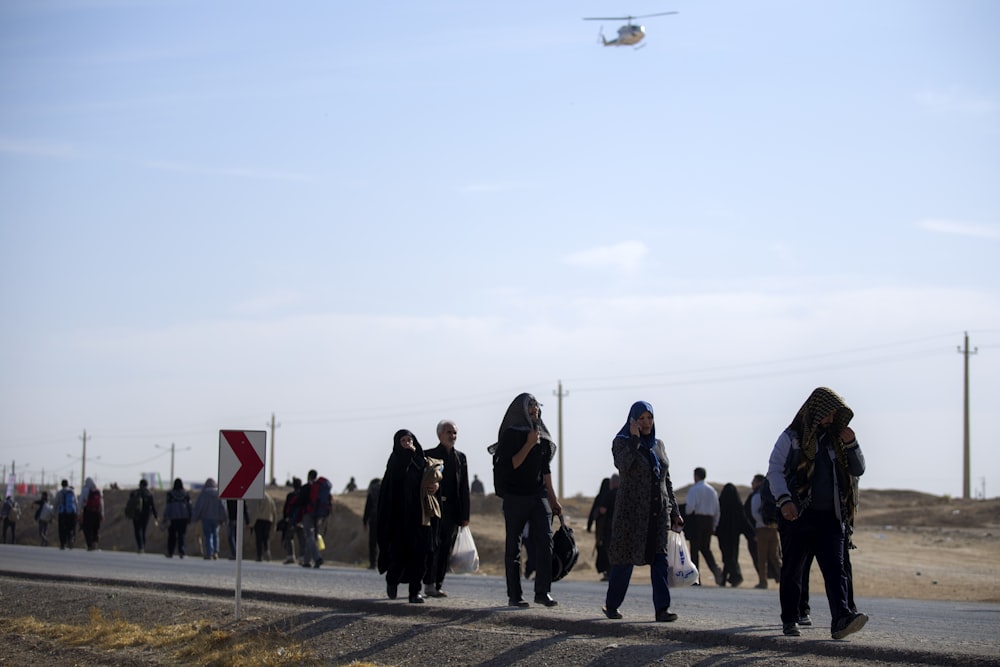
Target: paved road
904 630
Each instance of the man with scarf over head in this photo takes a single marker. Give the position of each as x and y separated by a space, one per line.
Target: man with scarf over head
522 475
810 472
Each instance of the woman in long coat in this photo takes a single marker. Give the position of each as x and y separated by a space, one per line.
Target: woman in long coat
403 540
645 510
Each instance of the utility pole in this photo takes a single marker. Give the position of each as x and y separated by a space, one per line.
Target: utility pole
965 440
173 447
560 394
273 425
83 467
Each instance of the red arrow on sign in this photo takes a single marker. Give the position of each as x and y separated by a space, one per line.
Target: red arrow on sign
250 464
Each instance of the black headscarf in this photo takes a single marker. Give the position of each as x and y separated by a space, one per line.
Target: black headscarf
517 417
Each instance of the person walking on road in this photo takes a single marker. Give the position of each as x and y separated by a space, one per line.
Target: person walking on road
453 497
702 517
811 473
177 513
645 510
143 507
66 508
523 478
404 541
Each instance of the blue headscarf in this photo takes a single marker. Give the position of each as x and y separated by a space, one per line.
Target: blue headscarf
636 411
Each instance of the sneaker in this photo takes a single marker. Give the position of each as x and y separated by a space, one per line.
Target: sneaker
848 625
790 629
805 619
665 616
613 614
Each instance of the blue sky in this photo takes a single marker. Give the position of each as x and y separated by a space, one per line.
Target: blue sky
365 221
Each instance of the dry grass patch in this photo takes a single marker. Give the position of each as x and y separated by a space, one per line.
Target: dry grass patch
196 643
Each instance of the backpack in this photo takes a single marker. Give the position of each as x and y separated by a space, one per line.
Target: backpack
564 551
498 486
133 507
46 512
319 497
768 507
93 501
67 504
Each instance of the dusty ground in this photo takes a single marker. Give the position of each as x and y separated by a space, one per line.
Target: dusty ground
909 545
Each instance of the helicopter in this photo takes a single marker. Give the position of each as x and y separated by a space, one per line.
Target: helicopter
629 34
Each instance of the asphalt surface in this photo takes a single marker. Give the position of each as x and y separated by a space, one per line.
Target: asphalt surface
904 631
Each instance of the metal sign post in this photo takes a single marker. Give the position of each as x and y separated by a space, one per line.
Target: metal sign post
241 477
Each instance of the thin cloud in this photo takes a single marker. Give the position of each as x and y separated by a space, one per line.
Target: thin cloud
981 230
625 256
956 102
499 186
268 302
37 148
238 172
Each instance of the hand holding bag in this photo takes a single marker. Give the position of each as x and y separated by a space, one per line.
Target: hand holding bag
682 571
464 555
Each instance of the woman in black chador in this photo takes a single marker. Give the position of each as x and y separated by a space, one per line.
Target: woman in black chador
405 535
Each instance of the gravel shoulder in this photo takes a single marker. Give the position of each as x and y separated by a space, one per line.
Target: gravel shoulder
381 634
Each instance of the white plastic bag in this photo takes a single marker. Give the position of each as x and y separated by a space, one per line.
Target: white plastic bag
464 555
682 571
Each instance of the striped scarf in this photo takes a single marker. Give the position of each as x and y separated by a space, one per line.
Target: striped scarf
817 407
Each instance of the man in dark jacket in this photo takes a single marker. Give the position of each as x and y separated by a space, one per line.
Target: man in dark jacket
144 507
453 495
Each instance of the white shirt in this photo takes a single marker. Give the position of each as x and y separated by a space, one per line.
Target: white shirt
702 499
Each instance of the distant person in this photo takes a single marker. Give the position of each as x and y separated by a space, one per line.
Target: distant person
645 510
232 516
44 515
211 511
142 508
811 472
732 525
453 499
369 520
592 516
178 513
765 518
522 457
476 487
66 509
10 513
91 513
262 515
702 518
314 504
351 487
404 542
601 516
291 531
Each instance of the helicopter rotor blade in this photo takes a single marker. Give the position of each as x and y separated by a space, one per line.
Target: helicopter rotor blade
645 16
609 18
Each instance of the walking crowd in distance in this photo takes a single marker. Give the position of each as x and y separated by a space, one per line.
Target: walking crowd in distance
801 510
